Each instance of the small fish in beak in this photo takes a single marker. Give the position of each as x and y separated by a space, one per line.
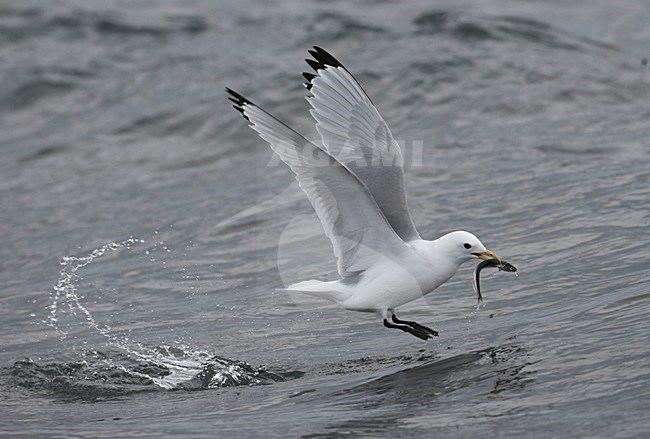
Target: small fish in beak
494 262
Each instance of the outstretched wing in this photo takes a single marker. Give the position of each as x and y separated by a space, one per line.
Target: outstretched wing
353 131
359 232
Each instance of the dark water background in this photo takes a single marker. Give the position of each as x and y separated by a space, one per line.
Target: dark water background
143 226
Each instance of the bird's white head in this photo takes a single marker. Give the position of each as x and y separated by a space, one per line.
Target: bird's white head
463 246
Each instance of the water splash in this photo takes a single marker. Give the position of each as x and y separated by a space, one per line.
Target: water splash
65 290
129 365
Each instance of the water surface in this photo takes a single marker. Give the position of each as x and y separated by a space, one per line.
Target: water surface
144 227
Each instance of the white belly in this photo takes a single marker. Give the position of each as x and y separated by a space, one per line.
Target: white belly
390 285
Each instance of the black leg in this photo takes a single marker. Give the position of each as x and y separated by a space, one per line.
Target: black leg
414 325
424 335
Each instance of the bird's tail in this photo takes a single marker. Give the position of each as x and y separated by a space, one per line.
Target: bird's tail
332 290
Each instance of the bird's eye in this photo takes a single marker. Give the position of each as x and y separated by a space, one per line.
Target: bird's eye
467 245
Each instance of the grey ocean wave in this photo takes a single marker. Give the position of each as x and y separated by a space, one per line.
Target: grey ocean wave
526 124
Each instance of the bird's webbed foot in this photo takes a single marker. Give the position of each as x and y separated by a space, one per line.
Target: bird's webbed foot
414 328
411 327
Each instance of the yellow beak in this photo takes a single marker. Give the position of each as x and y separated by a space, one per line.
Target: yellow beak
488 254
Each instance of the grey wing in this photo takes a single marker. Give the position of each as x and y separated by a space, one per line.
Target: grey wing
359 232
354 132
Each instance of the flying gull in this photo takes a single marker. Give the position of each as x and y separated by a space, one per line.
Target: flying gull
355 182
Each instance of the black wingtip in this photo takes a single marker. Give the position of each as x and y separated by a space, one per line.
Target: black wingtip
322 59
309 77
239 101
